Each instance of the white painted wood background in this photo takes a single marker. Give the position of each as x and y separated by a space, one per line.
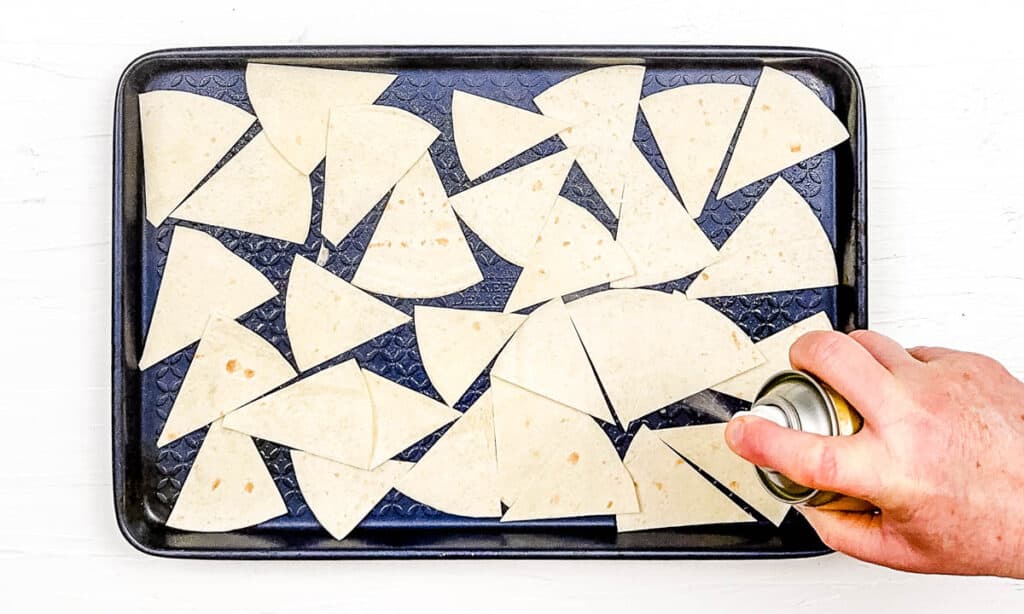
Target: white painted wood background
945 124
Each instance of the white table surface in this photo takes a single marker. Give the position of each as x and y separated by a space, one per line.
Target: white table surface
945 124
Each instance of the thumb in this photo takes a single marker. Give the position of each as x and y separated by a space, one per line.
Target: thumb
816 461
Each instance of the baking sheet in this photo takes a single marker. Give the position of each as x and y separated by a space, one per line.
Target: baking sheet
147 480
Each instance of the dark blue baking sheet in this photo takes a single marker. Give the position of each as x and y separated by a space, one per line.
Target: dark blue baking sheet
147 479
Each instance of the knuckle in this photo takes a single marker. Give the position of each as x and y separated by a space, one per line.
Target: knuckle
817 348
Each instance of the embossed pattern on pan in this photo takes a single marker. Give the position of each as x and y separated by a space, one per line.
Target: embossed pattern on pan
147 479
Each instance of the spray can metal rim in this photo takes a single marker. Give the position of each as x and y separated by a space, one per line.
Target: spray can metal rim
795 399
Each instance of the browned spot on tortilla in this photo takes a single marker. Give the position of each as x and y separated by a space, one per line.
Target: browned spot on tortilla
659 485
389 243
600 241
539 238
298 139
735 339
795 148
566 243
423 242
476 326
420 190
568 130
249 486
173 436
541 271
734 485
337 475
556 219
614 190
231 366
215 485
609 506
401 201
555 499
704 276
765 107
679 461
377 244
526 423
441 241
574 458
404 244
700 101
537 186
707 122
249 373
213 139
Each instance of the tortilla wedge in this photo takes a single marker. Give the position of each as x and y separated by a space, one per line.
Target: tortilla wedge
231 367
328 414
457 344
183 137
200 277
293 103
651 349
704 445
786 123
227 488
488 132
779 246
672 493
256 191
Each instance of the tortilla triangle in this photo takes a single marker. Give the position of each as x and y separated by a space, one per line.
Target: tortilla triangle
573 251
775 349
661 239
457 344
293 102
488 132
256 191
600 107
418 249
705 446
183 137
227 488
459 474
200 277
786 123
231 367
339 495
638 339
369 149
588 480
401 416
672 493
545 356
328 414
780 245
509 211
326 316
693 126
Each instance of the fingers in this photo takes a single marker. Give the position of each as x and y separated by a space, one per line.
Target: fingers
886 351
928 354
846 366
858 534
817 461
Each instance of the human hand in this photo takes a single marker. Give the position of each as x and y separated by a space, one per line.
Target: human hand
941 455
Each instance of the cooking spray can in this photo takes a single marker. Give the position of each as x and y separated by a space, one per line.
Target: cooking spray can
797 400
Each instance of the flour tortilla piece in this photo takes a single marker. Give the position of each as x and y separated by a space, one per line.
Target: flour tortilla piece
368 150
693 126
459 474
339 495
601 107
418 249
704 445
183 137
780 245
671 492
457 344
227 488
589 480
293 103
639 341
572 252
660 238
256 191
488 132
201 277
328 414
326 316
545 356
231 367
528 428
401 416
508 212
775 349
786 123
